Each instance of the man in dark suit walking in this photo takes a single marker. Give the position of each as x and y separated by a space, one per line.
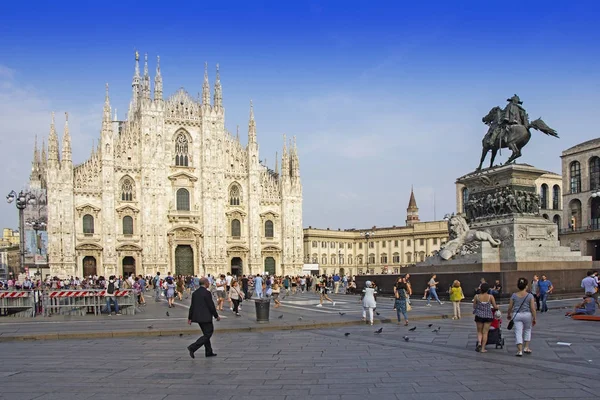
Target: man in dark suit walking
202 311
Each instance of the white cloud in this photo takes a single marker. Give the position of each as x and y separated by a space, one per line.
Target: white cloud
25 113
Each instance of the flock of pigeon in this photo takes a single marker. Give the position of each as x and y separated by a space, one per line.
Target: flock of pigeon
377 332
406 338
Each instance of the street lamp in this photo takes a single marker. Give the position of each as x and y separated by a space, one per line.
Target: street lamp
367 235
22 200
37 225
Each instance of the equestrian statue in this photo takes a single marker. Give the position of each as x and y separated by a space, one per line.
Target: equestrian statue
509 129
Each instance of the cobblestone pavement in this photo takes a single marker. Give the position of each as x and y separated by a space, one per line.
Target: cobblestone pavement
299 310
320 364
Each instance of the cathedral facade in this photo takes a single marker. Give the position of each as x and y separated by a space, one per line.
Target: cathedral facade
171 190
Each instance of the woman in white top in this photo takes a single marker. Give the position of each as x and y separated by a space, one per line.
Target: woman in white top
368 302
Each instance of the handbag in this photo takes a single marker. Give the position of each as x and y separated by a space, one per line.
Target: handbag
511 324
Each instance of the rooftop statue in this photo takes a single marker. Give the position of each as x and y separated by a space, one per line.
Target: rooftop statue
509 128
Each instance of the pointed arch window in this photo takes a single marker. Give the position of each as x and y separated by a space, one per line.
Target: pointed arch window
269 229
127 225
183 200
236 228
127 189
181 150
88 224
234 196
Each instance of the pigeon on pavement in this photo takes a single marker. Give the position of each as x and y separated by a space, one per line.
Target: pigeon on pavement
168 315
281 316
406 338
150 327
347 334
342 313
430 325
379 330
377 313
413 329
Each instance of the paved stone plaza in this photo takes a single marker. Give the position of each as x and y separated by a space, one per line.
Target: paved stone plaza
318 363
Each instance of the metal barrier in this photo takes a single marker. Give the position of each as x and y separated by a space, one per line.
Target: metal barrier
18 303
82 302
29 303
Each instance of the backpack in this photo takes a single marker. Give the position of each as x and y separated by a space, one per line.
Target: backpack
111 288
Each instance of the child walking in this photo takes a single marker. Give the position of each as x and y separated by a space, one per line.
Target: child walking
456 295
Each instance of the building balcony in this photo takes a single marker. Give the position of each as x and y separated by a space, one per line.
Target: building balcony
184 216
594 226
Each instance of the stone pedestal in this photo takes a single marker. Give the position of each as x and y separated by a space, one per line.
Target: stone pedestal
504 203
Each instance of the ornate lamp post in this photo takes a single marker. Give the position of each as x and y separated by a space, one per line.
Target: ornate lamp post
367 235
21 200
37 225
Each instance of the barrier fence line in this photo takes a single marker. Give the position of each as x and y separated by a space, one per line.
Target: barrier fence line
29 303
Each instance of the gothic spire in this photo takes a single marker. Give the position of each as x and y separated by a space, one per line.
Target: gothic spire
251 125
146 88
44 155
237 133
107 117
36 154
285 161
66 142
276 163
106 114
52 143
294 159
206 87
135 83
218 98
158 87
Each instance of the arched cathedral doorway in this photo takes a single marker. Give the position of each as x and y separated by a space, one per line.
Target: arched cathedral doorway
184 260
270 265
89 266
236 266
128 266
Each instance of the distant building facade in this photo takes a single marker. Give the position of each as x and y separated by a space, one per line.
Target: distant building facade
581 216
10 237
382 251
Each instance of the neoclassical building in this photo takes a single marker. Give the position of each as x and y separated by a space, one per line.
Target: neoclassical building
374 251
581 218
170 189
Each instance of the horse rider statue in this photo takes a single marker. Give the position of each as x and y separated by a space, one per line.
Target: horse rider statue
509 128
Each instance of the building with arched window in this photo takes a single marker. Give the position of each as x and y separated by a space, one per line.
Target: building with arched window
383 249
168 179
580 220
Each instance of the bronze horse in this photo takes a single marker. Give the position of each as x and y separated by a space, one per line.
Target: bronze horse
518 136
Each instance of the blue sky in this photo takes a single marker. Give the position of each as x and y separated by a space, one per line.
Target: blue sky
380 95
